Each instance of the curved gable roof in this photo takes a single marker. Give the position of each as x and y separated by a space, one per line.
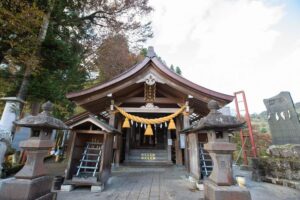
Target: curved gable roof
151 58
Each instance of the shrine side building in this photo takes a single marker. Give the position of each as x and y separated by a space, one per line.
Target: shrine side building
116 118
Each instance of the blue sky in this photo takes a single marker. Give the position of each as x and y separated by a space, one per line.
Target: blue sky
232 45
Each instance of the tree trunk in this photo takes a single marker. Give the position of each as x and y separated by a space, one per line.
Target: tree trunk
35 107
43 31
24 85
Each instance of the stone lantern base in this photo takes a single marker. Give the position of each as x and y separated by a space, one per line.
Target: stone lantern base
27 189
215 192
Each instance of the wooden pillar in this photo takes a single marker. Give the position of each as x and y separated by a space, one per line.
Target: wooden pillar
194 158
128 131
70 152
112 122
169 148
118 141
107 155
179 160
186 124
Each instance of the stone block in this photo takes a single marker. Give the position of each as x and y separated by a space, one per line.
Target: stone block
296 175
200 186
273 150
97 188
286 153
296 150
48 196
26 189
295 165
192 179
214 192
67 188
297 186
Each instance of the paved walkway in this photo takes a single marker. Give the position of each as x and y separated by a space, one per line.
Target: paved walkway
139 184
135 183
263 191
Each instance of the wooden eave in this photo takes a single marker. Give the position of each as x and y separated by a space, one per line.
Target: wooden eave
98 95
88 117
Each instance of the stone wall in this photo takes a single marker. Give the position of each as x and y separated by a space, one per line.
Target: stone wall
281 166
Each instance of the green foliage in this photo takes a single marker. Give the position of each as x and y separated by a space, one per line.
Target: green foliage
172 68
263 130
9 169
144 52
62 73
19 37
178 70
61 63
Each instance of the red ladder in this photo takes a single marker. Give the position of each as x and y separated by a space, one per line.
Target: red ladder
243 136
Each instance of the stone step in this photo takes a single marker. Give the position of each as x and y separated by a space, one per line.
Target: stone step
147 163
151 155
148 150
157 156
139 159
161 153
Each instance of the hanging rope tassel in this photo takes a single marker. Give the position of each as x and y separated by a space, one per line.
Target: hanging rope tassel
150 121
149 131
126 123
172 125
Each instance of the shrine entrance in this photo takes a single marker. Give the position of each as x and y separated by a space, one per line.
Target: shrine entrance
149 105
138 140
144 149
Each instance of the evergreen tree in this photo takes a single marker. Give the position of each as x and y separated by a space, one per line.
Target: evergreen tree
49 53
172 68
178 70
144 52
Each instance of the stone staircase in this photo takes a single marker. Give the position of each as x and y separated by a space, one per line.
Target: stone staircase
151 157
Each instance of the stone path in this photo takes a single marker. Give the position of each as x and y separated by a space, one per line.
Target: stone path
134 183
262 190
141 183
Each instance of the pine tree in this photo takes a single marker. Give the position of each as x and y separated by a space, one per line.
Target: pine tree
178 70
172 68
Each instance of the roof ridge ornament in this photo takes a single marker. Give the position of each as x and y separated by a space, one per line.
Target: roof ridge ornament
213 106
151 53
151 78
47 107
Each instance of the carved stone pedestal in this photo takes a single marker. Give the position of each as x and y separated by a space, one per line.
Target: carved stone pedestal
32 182
27 189
220 183
213 191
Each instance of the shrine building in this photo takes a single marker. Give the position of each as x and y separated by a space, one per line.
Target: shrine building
136 118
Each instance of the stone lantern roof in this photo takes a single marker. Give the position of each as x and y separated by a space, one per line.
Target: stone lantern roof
43 120
215 120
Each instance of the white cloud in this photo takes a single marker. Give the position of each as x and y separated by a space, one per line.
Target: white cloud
228 45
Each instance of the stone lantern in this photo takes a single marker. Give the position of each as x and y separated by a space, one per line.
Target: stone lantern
32 182
220 184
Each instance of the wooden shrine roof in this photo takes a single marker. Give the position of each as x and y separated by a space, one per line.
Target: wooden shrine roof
97 98
85 117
